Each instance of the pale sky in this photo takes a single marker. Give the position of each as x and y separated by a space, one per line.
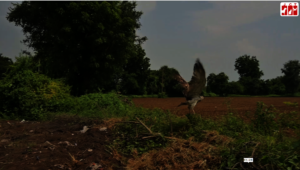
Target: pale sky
215 32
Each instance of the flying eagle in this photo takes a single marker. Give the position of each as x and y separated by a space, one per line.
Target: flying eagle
192 90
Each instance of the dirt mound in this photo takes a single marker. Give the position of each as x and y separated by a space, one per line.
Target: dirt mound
183 154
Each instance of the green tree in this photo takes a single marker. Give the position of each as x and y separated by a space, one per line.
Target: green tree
211 82
28 94
252 86
23 62
234 88
275 86
5 64
291 78
153 82
167 83
250 74
86 42
136 73
217 83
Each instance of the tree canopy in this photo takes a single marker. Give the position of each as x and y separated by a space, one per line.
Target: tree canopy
275 86
250 74
167 83
217 83
87 42
136 74
5 64
291 78
248 67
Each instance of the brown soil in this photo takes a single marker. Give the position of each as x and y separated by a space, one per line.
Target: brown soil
214 107
24 145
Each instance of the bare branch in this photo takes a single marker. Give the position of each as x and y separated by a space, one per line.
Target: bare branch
144 125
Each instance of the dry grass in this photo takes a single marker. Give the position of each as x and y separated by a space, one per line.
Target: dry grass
182 154
109 123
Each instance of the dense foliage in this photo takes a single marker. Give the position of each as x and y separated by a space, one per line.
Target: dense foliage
5 62
217 83
250 74
88 43
291 78
28 94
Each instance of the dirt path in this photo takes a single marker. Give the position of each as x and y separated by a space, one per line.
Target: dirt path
215 106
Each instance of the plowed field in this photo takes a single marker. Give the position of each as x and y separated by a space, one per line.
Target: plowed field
213 107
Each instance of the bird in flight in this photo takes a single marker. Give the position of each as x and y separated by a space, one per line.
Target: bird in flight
192 90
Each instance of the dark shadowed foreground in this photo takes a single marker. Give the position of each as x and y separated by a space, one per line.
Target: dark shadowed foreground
54 145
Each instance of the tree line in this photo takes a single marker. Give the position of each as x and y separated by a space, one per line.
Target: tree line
250 82
93 46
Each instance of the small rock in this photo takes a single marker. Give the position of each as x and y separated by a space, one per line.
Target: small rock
60 166
103 129
94 166
4 140
66 142
85 128
49 145
90 150
31 131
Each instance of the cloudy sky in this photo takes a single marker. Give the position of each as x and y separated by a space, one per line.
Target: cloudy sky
215 32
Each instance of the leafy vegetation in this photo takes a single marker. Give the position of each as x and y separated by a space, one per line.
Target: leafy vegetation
5 62
87 43
262 138
217 83
27 94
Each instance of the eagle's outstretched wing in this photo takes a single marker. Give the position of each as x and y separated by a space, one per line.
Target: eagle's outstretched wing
185 85
197 84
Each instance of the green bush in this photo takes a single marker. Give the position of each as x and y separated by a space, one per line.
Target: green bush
162 95
27 94
206 94
264 118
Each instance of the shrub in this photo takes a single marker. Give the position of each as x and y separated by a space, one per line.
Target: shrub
27 94
162 95
206 94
